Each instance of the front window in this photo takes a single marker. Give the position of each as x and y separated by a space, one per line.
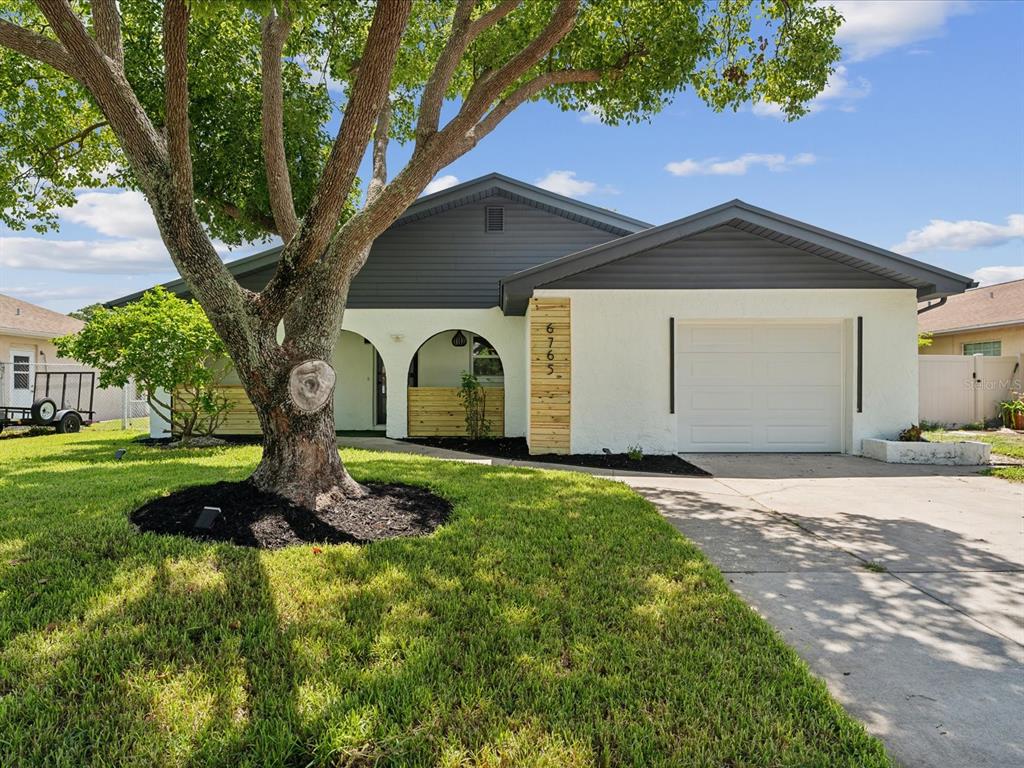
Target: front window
486 363
987 348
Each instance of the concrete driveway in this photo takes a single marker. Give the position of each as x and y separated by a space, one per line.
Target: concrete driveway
902 587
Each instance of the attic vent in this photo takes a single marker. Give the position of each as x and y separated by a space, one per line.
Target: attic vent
494 219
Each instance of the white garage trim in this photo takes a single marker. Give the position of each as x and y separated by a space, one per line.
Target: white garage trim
764 385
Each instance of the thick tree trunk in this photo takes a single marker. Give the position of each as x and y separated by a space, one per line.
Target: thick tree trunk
300 457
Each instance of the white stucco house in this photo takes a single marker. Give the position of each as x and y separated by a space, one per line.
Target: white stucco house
732 329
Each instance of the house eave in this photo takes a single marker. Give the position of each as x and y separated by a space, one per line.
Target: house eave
928 281
979 327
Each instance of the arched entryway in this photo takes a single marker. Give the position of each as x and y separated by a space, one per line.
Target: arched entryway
435 375
360 392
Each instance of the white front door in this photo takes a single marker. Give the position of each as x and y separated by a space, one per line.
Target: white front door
22 374
763 386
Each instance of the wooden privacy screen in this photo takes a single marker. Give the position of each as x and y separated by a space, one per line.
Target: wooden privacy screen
241 419
438 412
550 375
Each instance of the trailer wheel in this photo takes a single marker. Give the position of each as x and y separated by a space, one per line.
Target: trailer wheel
43 411
69 422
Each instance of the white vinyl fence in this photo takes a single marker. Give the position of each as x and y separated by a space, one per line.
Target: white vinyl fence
21 384
954 390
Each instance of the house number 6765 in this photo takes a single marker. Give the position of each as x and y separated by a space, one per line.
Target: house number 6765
550 328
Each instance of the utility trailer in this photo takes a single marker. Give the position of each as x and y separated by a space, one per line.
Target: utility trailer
62 399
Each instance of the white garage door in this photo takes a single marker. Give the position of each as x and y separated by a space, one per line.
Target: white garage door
764 386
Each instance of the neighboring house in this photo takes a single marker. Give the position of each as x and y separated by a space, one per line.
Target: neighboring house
26 348
26 334
982 321
734 329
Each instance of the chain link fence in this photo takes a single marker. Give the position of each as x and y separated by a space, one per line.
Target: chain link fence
21 384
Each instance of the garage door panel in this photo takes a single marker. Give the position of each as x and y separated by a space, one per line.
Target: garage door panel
717 369
788 437
722 434
808 339
804 399
792 369
759 386
718 338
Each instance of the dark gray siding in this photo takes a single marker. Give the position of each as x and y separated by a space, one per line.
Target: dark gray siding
448 260
725 257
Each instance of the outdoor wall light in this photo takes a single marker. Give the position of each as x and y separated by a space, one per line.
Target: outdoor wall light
459 339
397 336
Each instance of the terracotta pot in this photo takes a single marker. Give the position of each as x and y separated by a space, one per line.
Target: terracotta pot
1018 420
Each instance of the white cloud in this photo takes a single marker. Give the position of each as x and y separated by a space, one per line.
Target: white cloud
115 214
115 257
714 166
872 27
592 115
993 275
441 182
566 183
40 293
841 91
961 235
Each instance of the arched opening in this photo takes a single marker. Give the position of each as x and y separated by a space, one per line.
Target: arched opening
435 375
361 388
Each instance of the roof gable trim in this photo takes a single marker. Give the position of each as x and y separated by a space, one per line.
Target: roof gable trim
928 280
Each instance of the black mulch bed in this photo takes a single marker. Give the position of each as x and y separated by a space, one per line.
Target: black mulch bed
252 518
232 439
514 448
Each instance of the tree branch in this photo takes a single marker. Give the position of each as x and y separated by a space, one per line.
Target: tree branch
274 33
528 90
80 136
481 98
380 152
106 22
369 96
141 143
232 211
176 16
38 47
464 32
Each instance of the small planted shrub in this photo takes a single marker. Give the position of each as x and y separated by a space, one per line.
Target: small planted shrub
163 343
635 452
474 400
911 434
1012 411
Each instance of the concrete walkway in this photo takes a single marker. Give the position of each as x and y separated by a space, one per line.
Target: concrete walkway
901 586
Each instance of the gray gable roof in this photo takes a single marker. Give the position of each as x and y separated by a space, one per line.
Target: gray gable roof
494 188
785 243
496 184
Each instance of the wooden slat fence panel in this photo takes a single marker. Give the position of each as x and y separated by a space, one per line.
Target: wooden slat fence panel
241 419
438 412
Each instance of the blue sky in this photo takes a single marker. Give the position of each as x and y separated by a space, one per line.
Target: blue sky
917 145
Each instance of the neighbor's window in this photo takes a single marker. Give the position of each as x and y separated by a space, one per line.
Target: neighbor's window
989 348
22 367
486 363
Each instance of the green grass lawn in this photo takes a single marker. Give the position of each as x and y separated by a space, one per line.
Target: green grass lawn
1006 443
556 620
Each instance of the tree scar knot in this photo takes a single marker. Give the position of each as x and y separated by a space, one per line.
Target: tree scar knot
310 385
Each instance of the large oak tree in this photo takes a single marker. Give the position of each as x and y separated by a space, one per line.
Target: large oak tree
219 113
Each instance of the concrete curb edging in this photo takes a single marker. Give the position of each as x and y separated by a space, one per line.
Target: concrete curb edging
963 453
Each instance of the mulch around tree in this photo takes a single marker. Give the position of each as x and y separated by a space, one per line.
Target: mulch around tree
253 518
515 449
